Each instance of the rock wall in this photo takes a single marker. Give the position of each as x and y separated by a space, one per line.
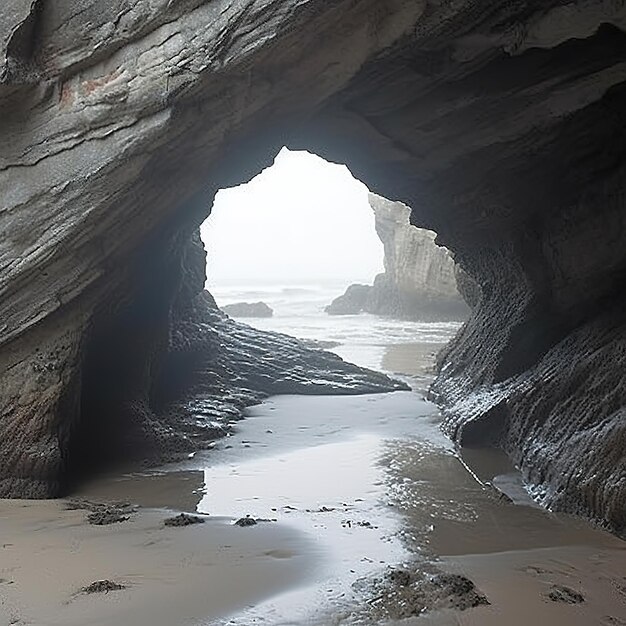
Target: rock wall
502 124
419 281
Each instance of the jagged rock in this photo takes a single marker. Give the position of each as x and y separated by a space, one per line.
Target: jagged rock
246 521
565 595
104 513
420 279
213 369
403 593
467 286
248 309
500 124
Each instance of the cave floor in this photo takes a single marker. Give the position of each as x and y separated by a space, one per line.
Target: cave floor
363 497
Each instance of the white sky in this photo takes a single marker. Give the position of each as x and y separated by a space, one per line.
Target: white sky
302 219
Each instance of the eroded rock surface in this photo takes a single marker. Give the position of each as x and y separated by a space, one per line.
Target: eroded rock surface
420 277
352 302
501 124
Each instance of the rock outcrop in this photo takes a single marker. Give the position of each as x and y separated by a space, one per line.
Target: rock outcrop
420 280
501 124
354 301
248 309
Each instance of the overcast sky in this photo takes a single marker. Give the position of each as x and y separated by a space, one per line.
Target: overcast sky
302 219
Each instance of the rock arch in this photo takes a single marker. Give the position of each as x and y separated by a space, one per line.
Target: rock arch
501 124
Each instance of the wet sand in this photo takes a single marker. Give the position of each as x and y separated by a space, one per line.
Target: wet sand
357 486
172 575
413 360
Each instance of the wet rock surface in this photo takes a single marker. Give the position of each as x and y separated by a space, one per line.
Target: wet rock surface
248 309
213 369
565 595
500 124
352 302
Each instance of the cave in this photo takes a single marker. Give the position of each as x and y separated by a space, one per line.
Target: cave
501 125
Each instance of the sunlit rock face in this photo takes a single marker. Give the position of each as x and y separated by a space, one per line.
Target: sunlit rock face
501 124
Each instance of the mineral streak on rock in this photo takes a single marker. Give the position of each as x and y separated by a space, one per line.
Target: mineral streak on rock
420 280
500 124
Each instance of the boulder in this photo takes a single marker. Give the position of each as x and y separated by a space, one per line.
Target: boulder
248 309
352 302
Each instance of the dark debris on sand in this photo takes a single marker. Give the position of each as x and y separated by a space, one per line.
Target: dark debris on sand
251 521
102 513
404 592
566 595
183 519
103 586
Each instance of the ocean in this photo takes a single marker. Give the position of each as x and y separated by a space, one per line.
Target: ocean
367 340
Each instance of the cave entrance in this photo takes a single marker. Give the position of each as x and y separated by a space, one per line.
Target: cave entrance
293 238
166 368
305 234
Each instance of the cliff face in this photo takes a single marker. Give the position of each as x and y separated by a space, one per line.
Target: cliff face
419 281
413 261
501 123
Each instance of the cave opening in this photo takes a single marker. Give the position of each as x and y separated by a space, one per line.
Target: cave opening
283 246
295 237
306 249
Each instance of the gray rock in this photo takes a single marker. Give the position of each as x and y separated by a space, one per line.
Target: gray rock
406 592
352 302
103 586
420 279
248 309
419 275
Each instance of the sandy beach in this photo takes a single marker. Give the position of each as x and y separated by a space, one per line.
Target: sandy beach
358 487
172 575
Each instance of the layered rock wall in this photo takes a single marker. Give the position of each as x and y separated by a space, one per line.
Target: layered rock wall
413 261
419 281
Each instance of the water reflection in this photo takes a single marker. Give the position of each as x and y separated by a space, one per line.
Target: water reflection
359 483
335 492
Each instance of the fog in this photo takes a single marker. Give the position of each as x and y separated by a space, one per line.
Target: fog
301 220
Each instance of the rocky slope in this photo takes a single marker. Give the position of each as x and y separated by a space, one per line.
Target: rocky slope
419 281
502 124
